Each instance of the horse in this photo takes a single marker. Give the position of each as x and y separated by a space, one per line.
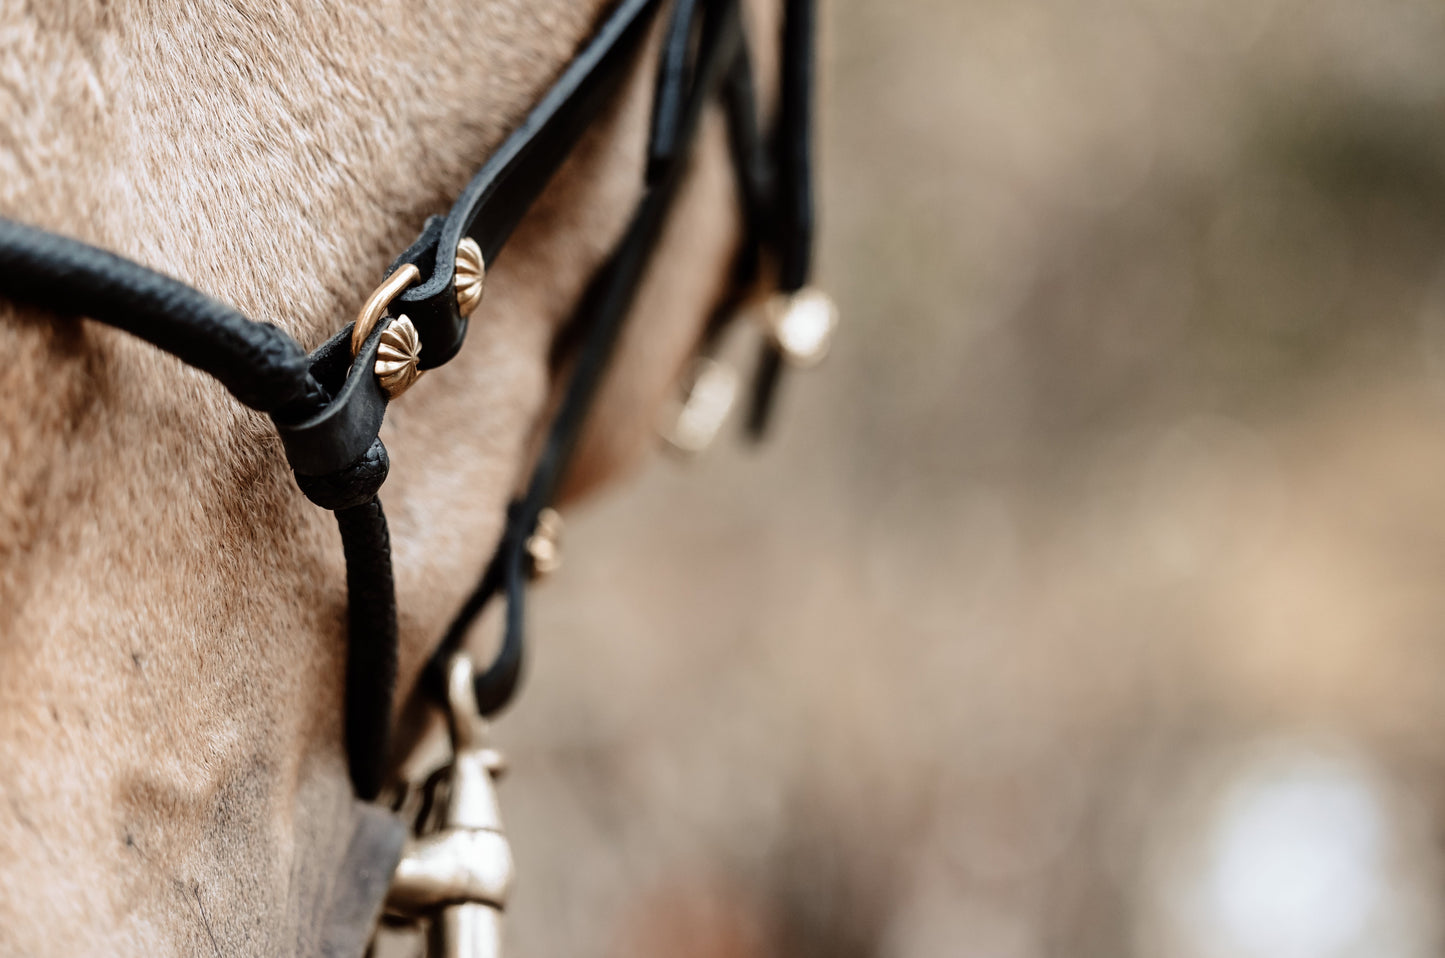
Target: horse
172 613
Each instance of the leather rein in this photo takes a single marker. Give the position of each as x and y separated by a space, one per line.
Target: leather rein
328 406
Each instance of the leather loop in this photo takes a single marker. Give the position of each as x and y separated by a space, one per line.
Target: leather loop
506 573
351 485
345 428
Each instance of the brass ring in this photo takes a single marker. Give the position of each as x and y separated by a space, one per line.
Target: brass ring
376 304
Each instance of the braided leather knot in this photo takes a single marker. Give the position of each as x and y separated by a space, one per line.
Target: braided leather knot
356 483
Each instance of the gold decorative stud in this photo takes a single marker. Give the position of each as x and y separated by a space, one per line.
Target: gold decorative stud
471 276
710 393
801 325
545 545
397 357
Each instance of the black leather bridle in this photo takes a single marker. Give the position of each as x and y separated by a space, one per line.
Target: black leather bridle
328 406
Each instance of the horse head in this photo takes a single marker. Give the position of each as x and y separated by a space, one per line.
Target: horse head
173 613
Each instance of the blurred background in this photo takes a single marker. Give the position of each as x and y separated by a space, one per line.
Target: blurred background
1088 601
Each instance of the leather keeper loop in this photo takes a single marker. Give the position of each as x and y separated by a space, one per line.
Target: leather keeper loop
432 305
344 430
351 486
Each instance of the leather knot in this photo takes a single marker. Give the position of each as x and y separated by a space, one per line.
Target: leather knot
356 483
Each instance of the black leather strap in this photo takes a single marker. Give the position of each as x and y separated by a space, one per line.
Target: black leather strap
333 444
792 228
793 144
600 316
507 185
674 77
344 429
750 165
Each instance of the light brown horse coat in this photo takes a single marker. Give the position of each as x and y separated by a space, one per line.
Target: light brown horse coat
171 608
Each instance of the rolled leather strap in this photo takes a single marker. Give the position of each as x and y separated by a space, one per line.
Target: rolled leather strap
353 485
674 70
371 649
259 364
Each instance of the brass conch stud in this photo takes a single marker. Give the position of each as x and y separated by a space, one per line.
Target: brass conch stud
471 276
397 357
801 324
